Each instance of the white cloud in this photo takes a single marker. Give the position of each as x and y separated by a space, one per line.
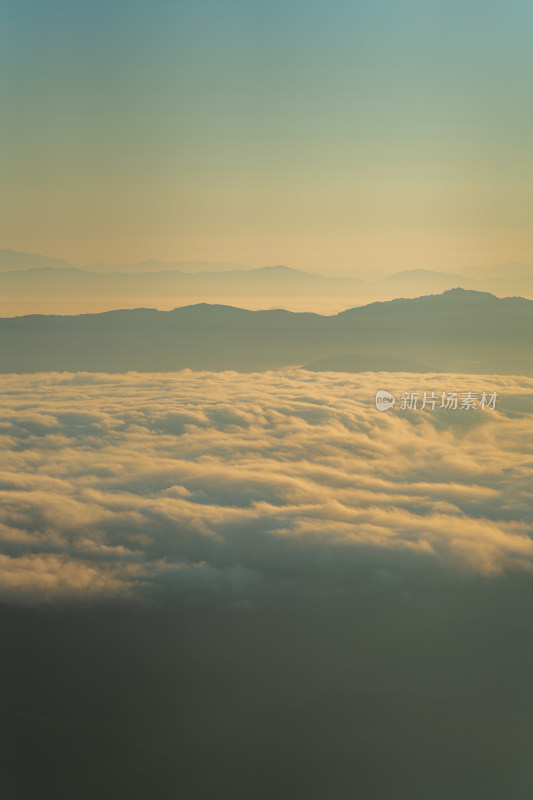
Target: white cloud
120 484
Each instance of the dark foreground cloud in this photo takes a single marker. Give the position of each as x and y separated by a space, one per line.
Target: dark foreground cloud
227 586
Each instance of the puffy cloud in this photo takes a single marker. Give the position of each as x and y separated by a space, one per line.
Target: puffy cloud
128 485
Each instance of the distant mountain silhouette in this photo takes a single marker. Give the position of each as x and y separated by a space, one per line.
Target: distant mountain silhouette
129 288
505 272
510 280
14 260
154 265
459 330
357 362
31 283
427 276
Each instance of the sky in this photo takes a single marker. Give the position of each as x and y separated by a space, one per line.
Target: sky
334 136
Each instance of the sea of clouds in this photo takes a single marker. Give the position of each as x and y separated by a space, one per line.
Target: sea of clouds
136 486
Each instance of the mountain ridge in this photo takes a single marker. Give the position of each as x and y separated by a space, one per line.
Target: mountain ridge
447 294
48 287
456 331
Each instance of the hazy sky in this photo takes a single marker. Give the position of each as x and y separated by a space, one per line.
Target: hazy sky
325 135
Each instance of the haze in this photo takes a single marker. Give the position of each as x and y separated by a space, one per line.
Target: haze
330 137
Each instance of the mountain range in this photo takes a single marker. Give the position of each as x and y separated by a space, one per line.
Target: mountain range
457 331
31 283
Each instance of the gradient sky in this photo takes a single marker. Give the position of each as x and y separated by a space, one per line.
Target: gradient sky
331 135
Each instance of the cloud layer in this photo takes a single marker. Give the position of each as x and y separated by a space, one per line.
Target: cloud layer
135 485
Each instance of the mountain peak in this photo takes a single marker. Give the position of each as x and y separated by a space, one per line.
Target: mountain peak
276 268
447 299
